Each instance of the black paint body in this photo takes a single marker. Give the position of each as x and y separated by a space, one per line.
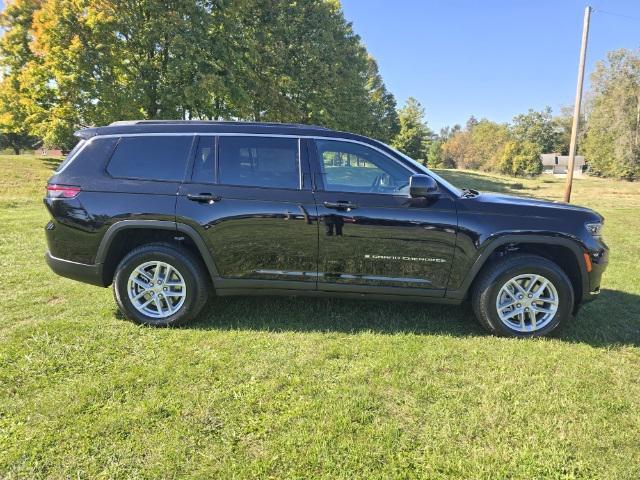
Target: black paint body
272 240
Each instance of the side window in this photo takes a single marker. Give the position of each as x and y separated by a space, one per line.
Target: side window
73 153
151 157
259 162
88 156
204 161
351 167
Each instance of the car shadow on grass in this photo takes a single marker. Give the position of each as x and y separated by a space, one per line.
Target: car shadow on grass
309 314
51 163
612 320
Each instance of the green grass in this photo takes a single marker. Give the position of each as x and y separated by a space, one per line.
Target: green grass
312 388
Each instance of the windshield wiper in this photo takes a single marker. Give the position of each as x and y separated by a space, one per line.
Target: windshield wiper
469 192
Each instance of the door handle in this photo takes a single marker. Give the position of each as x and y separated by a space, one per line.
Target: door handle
340 205
204 198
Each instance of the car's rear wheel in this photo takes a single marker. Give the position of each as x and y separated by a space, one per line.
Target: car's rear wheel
522 295
159 285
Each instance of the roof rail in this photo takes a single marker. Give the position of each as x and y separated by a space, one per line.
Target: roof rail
213 122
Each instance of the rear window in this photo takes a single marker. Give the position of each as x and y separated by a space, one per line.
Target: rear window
151 158
259 162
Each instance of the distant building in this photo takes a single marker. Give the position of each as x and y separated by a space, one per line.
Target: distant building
555 164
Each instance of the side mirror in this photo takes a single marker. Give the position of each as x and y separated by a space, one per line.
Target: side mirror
421 186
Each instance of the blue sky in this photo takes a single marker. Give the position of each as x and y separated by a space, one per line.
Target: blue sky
489 58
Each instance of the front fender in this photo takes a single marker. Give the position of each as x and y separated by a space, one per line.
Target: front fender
469 267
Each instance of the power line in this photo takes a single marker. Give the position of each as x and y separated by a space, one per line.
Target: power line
621 15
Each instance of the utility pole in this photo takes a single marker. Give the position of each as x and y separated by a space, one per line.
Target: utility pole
576 108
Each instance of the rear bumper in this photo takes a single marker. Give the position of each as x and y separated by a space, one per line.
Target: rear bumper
81 272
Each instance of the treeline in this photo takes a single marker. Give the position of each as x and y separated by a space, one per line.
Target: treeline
90 62
513 149
609 134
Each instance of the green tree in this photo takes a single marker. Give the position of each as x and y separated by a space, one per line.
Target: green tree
436 157
15 55
384 123
611 146
487 141
89 62
536 127
414 135
520 159
478 147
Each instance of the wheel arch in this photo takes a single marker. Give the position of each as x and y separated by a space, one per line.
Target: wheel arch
564 251
124 235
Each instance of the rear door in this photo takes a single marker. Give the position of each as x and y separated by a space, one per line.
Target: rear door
250 199
373 236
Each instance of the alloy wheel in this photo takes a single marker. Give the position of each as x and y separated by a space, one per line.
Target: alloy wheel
156 289
527 303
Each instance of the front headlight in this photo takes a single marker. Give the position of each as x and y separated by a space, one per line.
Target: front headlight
595 229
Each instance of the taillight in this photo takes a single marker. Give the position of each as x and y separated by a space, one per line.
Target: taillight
62 191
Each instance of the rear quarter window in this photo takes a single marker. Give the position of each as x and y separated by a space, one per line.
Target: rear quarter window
151 158
71 155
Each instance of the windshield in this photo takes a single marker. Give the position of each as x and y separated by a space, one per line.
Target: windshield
455 190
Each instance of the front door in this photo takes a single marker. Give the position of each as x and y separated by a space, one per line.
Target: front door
249 198
373 236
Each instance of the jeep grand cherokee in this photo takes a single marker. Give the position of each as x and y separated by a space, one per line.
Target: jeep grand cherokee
171 212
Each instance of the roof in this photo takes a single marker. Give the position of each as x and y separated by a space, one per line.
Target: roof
201 126
211 122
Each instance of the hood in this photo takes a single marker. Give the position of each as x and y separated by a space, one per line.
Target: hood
511 204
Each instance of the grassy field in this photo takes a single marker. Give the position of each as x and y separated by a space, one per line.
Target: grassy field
311 388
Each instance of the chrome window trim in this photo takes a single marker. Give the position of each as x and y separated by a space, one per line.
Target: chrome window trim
323 173
240 134
299 164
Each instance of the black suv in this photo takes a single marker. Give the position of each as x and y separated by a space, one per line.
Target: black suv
172 211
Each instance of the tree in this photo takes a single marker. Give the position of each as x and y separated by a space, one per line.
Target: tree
536 127
611 146
478 147
436 157
457 149
384 122
15 55
90 62
414 135
520 159
472 122
487 141
447 132
562 126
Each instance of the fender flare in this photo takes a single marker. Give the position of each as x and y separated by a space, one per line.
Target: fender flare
492 244
107 239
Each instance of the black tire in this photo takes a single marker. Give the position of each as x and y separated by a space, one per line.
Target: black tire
494 276
193 272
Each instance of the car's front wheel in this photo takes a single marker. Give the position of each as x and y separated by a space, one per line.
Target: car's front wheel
522 295
159 285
